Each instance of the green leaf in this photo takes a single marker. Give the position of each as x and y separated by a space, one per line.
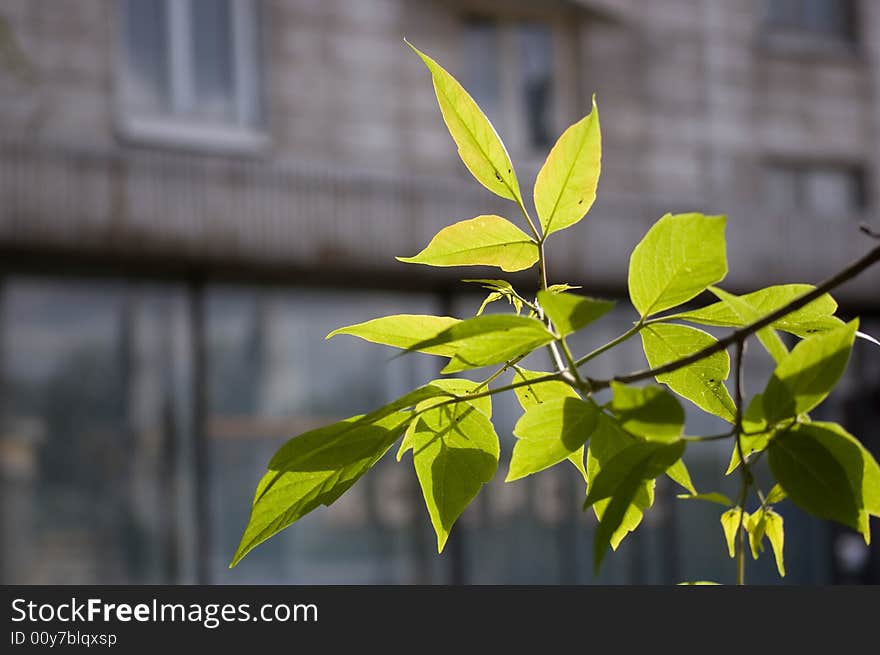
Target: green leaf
756 526
479 146
487 240
750 446
550 432
747 314
776 495
570 312
677 259
730 523
775 529
314 469
620 479
565 188
607 441
485 340
650 412
679 474
500 289
560 288
711 497
492 297
533 394
455 452
818 316
455 387
403 331
699 583
806 376
702 382
828 473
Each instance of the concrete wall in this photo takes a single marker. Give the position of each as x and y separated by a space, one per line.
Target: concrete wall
694 100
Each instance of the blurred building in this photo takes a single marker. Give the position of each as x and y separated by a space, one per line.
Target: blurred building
194 192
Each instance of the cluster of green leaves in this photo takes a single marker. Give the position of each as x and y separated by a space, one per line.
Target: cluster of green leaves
621 446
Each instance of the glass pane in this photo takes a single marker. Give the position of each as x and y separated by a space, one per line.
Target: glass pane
212 51
536 50
272 376
828 17
482 75
96 486
146 71
832 192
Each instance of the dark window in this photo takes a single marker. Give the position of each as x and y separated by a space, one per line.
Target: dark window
834 191
831 19
510 73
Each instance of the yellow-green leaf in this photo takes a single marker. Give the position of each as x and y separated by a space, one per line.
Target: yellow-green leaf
678 258
806 376
748 314
479 145
817 316
650 412
455 452
550 432
313 469
702 382
775 529
730 523
565 188
486 240
455 387
570 312
403 331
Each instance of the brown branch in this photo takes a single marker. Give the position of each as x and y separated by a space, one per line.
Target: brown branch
740 335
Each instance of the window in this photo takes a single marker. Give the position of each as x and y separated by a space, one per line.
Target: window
824 190
510 73
829 20
191 71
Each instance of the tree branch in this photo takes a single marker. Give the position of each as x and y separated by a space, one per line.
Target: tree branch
740 335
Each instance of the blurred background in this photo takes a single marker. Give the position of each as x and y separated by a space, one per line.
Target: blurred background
194 192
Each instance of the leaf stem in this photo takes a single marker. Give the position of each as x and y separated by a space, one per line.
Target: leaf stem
611 344
744 465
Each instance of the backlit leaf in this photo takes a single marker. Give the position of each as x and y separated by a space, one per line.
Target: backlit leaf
314 469
678 258
620 479
806 376
403 331
456 387
550 432
730 523
702 382
711 497
775 530
748 314
818 316
827 472
487 240
485 340
608 440
479 146
570 312
650 412
566 184
455 452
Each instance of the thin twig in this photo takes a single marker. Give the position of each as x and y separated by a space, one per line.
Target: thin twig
744 468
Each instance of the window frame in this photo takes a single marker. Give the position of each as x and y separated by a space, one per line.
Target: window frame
802 170
247 133
512 123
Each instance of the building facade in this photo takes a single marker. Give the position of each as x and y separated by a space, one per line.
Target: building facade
194 192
